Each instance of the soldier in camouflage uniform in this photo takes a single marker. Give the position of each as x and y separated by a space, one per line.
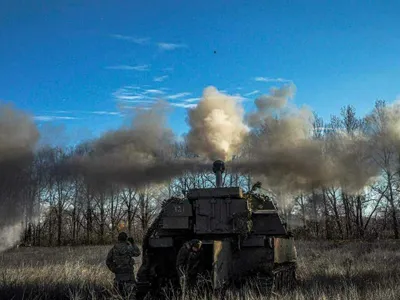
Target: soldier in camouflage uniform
131 241
120 261
188 263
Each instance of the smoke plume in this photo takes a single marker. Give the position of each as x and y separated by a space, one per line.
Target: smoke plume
384 124
283 150
18 137
139 154
278 139
216 125
10 235
287 157
18 134
268 105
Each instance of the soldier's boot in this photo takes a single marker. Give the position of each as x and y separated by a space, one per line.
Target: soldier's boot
183 286
130 290
127 289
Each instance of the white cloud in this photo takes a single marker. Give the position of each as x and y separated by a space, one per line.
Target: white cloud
96 112
140 41
153 91
138 101
52 118
61 112
128 94
136 95
134 107
179 95
184 105
170 46
161 78
130 68
191 100
109 113
252 93
269 79
239 98
127 97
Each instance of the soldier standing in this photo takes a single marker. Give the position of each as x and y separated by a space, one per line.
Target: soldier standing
188 263
120 261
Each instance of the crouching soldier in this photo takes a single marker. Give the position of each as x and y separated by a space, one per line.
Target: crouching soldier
188 264
120 261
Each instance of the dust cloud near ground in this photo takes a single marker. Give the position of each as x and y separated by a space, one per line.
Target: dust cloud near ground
18 137
9 234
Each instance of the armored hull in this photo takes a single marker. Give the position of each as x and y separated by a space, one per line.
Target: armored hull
240 244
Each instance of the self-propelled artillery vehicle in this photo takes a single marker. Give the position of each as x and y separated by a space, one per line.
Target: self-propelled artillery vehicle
241 242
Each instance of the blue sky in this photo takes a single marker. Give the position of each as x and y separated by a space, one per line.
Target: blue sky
73 63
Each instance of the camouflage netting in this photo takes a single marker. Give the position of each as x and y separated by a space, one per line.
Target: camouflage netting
171 200
242 224
256 200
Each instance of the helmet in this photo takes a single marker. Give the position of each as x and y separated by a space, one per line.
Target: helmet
122 236
196 243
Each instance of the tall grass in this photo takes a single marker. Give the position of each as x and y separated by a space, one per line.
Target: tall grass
326 270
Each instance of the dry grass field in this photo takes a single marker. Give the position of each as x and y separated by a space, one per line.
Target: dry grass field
327 270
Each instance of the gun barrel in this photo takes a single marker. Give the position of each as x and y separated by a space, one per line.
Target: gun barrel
218 169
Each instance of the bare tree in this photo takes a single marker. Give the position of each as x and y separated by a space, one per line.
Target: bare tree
386 156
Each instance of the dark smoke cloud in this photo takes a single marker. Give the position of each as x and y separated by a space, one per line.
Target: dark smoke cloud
139 154
282 150
135 174
287 158
18 134
18 137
